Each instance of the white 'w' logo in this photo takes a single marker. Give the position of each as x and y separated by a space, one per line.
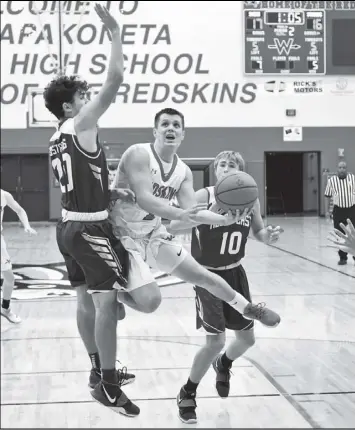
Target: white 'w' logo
284 46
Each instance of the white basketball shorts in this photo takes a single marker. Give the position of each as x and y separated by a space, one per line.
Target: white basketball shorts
159 250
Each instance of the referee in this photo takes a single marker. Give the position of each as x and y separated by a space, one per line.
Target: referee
341 188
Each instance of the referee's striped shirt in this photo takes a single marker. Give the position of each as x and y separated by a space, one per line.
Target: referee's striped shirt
341 190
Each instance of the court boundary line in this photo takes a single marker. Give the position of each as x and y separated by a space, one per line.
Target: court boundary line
73 298
285 394
312 261
61 402
169 341
234 396
282 392
57 372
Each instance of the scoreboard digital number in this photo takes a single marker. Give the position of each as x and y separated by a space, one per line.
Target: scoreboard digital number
284 41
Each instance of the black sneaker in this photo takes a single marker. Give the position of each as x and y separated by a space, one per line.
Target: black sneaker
223 376
94 378
187 406
260 313
120 402
124 377
342 262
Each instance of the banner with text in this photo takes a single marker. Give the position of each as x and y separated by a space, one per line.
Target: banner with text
177 54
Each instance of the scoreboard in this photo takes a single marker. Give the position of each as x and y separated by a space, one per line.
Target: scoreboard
299 37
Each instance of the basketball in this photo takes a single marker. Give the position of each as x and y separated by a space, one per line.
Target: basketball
236 191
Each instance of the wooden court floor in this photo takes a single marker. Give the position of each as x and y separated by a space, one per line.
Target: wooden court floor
299 375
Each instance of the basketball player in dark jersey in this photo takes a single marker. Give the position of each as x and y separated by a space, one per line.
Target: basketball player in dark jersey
220 249
95 259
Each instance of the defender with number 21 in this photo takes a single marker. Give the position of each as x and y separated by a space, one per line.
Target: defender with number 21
66 152
97 262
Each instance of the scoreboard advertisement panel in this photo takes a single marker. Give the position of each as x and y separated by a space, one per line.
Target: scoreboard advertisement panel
299 37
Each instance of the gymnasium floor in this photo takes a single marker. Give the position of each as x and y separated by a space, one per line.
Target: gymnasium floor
299 375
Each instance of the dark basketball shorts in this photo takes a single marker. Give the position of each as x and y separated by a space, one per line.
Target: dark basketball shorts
93 255
213 315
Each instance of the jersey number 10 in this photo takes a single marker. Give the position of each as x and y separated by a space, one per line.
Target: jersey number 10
231 242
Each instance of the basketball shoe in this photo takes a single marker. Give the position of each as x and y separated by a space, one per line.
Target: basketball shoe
223 376
260 313
187 406
10 316
118 401
124 377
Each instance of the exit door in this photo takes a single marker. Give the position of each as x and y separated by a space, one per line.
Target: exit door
292 183
26 177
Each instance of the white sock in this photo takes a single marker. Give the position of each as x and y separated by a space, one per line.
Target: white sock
239 303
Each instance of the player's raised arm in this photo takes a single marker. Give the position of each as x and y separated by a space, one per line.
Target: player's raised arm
97 106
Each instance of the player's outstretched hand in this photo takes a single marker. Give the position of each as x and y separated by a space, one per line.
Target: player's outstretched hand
30 230
191 214
343 241
107 19
273 233
124 194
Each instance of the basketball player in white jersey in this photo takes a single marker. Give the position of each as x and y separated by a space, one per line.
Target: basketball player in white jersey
220 249
6 265
156 175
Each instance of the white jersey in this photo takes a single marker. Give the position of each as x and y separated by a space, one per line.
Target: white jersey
3 205
166 181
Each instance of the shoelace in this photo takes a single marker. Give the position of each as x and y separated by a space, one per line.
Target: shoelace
225 370
258 309
122 373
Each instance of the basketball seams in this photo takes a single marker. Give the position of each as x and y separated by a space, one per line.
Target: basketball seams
218 194
239 204
224 179
218 197
237 188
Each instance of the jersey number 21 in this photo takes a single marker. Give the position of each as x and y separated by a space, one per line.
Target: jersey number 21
64 170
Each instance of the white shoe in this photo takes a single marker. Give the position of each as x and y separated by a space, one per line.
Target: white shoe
13 318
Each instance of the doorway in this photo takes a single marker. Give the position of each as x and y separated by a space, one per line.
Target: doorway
292 183
26 178
201 176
